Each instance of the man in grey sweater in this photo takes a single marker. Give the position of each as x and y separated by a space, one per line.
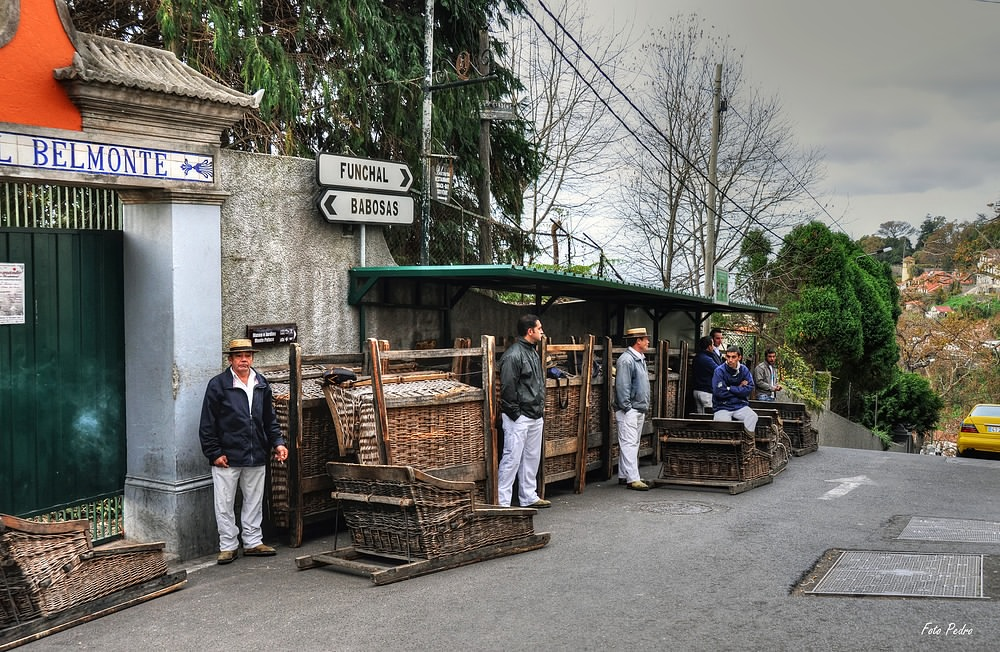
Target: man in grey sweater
631 406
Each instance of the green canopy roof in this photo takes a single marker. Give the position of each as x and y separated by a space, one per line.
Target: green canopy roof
546 286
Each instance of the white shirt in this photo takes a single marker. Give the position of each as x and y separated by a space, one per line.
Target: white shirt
247 386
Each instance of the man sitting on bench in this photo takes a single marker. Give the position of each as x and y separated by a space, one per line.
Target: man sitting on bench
732 385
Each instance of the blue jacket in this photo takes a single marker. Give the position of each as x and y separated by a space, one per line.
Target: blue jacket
726 391
703 370
227 427
522 382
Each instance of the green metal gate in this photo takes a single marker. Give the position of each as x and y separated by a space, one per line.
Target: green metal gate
62 388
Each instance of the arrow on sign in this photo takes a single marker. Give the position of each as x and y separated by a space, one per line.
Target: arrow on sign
365 207
847 485
361 173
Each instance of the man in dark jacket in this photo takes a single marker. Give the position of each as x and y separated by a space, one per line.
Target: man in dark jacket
702 371
522 405
732 386
238 431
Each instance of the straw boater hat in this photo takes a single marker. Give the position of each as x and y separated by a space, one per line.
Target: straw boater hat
240 346
636 333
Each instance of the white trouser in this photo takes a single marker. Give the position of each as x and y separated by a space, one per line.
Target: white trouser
629 431
250 480
744 414
702 401
522 451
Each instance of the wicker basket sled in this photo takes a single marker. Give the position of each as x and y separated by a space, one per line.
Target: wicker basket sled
404 523
708 453
796 424
52 577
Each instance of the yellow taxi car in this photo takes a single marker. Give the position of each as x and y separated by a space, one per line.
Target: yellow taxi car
980 430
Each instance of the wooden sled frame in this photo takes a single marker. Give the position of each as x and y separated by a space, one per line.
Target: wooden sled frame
410 523
729 435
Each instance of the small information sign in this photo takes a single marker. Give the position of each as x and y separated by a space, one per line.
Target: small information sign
273 334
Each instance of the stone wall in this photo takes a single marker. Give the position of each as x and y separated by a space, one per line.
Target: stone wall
837 432
282 262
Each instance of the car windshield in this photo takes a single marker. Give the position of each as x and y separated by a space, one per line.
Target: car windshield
986 411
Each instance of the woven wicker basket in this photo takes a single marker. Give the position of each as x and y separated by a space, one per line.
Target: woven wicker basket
319 446
705 453
440 521
433 424
47 568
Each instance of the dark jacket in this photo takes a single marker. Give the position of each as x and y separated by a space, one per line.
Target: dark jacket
227 427
726 391
522 383
703 368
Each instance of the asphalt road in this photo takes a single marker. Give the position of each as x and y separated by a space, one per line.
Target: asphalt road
668 569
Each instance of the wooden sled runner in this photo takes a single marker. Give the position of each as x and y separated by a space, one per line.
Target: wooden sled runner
404 523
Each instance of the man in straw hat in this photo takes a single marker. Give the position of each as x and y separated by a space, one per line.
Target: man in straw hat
631 405
238 431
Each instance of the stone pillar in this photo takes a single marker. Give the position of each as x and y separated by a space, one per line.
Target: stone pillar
173 330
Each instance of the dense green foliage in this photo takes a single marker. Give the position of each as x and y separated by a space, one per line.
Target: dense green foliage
908 401
346 76
839 308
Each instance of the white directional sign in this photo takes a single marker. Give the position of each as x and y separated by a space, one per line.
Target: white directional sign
368 174
338 205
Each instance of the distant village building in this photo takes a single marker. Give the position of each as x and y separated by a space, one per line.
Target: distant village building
936 280
988 275
939 311
907 272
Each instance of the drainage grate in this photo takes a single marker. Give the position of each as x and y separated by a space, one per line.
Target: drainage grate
904 574
924 528
674 507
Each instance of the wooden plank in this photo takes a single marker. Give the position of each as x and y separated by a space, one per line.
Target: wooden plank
314 483
516 546
424 354
382 571
561 475
731 486
294 443
588 375
471 472
490 415
346 496
40 627
378 399
560 447
607 412
460 364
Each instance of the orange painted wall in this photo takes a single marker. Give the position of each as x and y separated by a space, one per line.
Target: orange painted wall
29 94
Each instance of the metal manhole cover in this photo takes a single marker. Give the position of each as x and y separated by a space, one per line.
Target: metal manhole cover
904 574
923 528
674 507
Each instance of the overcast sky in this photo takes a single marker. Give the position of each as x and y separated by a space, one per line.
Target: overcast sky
901 96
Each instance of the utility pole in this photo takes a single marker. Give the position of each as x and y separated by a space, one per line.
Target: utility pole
425 134
485 188
713 182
